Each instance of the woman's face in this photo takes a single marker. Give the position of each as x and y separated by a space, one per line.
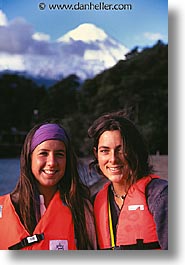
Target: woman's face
110 156
49 163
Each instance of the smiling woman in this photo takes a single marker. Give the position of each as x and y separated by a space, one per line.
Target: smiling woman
48 166
131 210
49 207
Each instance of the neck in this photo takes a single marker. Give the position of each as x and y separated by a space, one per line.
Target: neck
48 194
119 194
120 189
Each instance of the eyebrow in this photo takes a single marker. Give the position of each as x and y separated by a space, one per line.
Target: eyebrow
106 147
57 150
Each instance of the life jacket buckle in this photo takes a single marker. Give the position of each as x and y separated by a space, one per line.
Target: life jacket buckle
27 241
32 239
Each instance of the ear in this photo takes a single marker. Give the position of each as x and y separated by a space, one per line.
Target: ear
95 152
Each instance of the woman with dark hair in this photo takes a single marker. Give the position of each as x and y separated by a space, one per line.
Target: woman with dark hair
131 209
50 207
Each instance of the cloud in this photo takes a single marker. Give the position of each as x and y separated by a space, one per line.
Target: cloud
15 37
18 37
41 36
3 19
153 36
11 62
22 49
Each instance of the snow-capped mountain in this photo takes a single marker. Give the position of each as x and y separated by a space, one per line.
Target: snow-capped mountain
92 49
85 32
85 51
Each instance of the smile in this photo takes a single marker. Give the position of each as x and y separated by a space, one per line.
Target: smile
115 169
49 172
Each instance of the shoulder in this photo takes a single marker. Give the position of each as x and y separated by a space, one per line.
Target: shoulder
101 195
103 191
157 185
3 198
157 194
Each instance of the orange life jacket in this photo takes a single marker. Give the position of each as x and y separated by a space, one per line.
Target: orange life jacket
54 231
136 228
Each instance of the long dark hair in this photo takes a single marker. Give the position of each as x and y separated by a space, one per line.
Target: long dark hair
25 197
135 148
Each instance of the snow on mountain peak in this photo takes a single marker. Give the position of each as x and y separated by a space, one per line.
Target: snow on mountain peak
86 32
86 51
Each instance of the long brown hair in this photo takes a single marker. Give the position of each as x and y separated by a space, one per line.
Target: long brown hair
135 148
25 197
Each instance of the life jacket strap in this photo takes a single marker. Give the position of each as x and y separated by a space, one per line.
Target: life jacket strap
139 246
27 241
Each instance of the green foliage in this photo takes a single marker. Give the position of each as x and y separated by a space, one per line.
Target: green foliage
19 97
61 99
138 84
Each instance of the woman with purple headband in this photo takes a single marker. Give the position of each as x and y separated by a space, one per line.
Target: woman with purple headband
50 207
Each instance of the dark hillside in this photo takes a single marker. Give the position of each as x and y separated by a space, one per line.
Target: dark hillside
138 84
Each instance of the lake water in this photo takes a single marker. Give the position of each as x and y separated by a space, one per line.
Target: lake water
9 173
10 169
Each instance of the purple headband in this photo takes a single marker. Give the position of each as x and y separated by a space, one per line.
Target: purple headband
46 132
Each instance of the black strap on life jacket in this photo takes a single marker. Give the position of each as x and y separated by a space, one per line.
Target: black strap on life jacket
27 241
140 245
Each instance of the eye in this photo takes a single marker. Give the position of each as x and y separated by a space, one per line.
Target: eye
60 154
104 151
119 150
43 153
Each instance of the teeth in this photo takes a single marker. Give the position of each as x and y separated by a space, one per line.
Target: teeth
114 168
49 172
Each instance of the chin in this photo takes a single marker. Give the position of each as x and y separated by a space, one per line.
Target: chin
115 178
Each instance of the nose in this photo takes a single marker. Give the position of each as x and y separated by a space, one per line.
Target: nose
113 157
51 160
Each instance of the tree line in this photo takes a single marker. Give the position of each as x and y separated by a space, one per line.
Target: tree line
139 85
